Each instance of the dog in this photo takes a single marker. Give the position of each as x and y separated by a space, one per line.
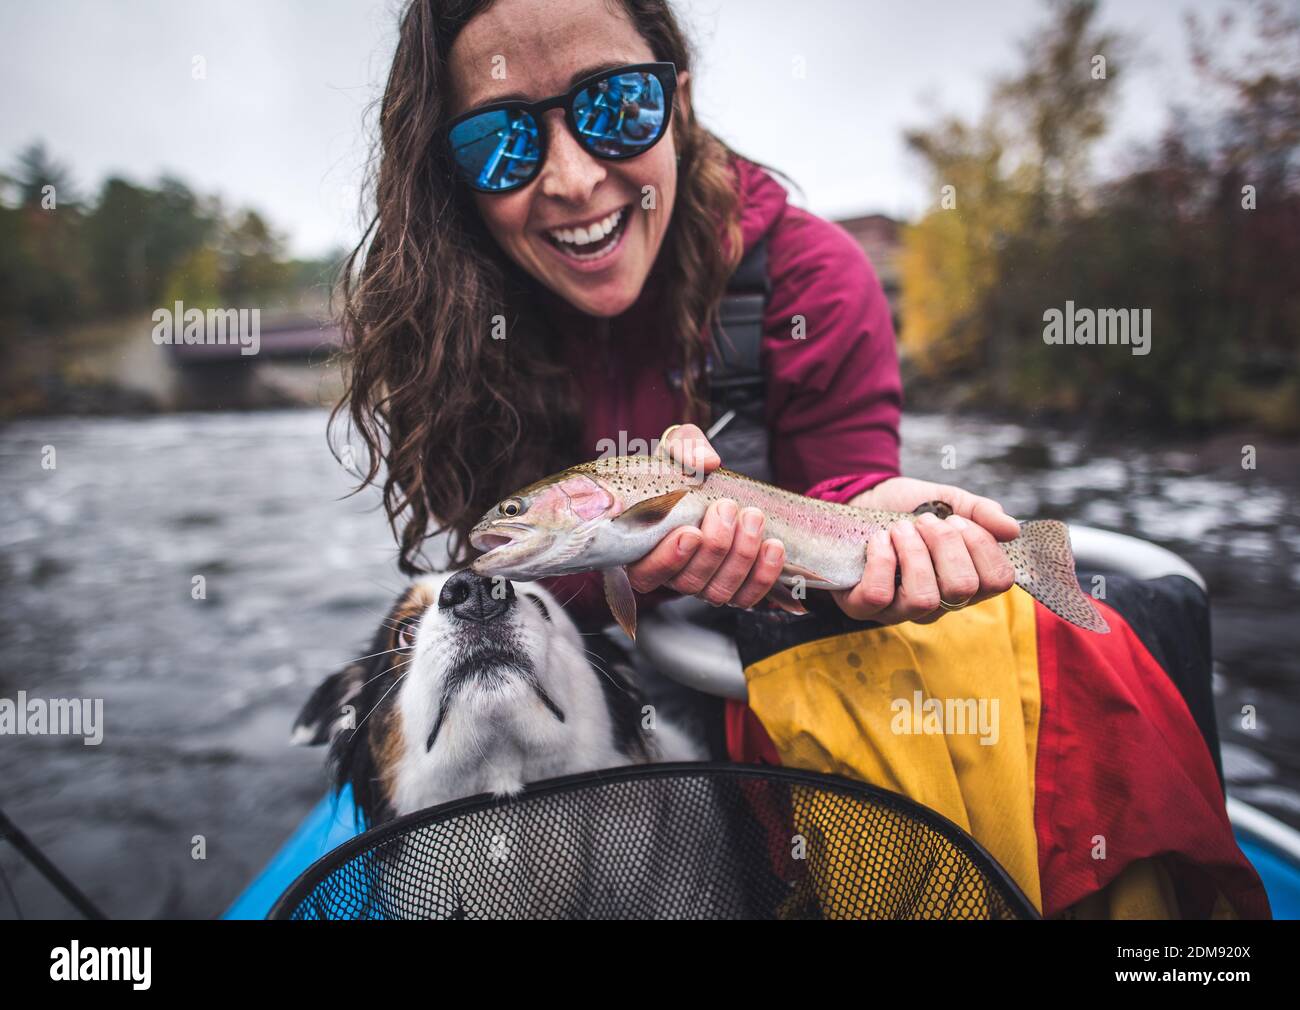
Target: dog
477 685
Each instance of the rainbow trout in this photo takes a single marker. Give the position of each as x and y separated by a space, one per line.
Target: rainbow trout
608 513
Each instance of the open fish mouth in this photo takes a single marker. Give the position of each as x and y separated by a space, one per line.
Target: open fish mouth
495 536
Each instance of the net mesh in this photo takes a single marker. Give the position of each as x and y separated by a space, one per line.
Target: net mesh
700 841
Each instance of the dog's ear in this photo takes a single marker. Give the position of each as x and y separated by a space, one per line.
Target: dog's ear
331 709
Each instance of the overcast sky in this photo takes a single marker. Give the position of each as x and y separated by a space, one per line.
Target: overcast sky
278 121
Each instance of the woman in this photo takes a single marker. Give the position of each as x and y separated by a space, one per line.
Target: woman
531 273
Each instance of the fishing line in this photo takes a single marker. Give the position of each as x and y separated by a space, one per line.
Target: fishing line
719 424
9 831
13 898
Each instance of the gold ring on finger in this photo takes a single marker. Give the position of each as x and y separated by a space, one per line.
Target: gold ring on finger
663 439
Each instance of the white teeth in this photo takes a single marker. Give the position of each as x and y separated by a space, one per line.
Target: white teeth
592 233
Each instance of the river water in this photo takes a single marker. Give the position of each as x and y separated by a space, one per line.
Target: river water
98 559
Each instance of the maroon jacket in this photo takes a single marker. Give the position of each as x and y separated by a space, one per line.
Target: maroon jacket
833 396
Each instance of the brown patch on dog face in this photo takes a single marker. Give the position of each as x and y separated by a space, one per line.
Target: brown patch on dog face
387 739
409 609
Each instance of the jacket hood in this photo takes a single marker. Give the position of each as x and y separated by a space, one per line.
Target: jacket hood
763 202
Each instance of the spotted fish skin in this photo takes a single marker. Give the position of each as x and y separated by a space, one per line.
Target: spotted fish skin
825 542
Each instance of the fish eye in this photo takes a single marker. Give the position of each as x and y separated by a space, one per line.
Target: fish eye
511 507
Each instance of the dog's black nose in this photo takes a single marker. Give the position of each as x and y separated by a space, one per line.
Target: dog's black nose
475 597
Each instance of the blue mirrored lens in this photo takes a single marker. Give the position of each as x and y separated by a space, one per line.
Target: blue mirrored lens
496 150
622 115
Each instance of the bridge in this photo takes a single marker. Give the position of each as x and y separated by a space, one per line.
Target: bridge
222 376
293 340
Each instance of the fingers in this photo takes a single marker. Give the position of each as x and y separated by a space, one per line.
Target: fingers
725 561
904 494
991 516
952 559
762 577
875 591
918 593
669 557
687 444
739 561
717 530
954 568
992 566
876 598
984 511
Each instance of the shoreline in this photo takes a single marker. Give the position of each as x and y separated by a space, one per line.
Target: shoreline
300 387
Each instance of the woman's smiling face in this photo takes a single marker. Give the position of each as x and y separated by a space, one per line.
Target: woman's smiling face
545 46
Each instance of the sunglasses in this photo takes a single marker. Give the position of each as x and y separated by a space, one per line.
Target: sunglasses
614 114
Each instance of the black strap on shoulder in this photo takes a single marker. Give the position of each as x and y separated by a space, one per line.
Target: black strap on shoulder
737 382
736 370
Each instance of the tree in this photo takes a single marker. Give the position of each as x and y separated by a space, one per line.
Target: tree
255 255
34 171
1013 175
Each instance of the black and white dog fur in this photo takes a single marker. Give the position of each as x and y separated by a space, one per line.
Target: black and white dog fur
474 685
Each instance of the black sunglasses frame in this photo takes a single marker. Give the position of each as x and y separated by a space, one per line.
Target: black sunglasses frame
665 73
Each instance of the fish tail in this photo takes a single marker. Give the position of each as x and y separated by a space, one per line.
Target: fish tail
1045 570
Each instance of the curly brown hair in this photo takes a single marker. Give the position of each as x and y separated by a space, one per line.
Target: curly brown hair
454 420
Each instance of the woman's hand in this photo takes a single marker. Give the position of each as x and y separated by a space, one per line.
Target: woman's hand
723 560
955 560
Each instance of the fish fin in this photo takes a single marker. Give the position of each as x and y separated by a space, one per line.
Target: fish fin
939 508
622 602
650 511
780 593
1045 570
808 575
